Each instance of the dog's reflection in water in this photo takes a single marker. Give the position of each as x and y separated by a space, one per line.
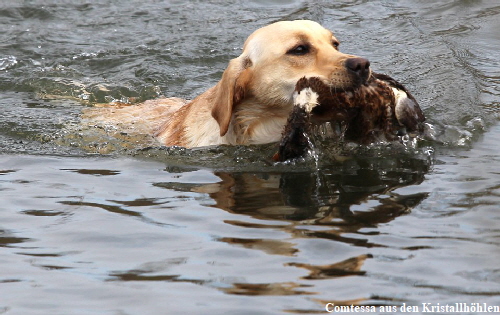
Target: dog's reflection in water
333 203
337 201
341 200
356 194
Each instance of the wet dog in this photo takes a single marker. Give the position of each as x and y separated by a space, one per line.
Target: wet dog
253 99
255 96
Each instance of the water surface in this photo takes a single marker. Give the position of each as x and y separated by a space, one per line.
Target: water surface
91 223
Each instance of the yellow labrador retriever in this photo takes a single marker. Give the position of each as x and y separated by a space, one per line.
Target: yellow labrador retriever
253 99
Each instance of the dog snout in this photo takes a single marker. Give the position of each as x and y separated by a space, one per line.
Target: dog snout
360 67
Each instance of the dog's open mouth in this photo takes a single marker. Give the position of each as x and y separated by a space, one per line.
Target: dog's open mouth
381 108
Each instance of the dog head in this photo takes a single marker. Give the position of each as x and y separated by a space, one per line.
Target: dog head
274 58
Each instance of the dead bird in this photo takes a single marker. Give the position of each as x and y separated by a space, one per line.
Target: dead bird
380 109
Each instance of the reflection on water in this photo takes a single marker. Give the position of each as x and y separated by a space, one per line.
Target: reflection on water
357 192
348 267
7 239
354 232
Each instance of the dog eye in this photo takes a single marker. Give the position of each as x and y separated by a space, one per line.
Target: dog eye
299 50
336 44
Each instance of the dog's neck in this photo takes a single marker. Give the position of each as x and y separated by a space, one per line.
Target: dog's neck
257 123
252 122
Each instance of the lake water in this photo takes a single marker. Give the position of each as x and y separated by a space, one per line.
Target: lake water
92 223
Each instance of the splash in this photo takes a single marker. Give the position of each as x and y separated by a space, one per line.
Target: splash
8 62
453 135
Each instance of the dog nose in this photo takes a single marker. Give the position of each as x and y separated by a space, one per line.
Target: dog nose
360 66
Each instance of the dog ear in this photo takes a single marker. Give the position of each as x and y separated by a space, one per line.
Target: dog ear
231 90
